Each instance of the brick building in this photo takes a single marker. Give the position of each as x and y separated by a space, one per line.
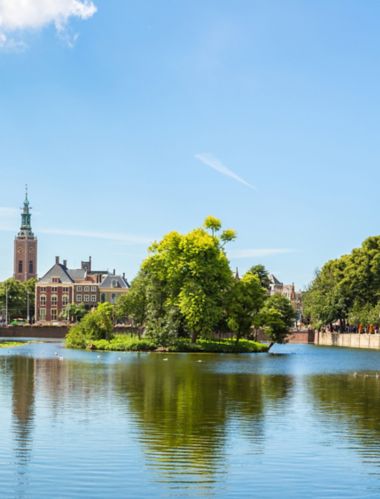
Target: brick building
62 286
25 247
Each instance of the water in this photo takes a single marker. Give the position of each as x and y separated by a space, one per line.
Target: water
304 422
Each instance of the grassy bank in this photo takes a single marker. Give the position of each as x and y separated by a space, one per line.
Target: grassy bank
10 344
125 343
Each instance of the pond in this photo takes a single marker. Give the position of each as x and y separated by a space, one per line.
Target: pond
301 422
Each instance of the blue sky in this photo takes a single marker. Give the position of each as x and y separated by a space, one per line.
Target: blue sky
147 116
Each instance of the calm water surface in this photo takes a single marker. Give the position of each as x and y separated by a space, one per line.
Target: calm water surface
302 422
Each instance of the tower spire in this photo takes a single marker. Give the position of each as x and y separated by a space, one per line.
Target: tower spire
26 218
25 246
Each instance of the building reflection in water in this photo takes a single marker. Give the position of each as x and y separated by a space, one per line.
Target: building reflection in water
23 398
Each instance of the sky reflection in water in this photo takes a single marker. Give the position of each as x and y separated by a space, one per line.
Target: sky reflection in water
301 423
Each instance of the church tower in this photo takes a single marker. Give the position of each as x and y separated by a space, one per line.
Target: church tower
25 248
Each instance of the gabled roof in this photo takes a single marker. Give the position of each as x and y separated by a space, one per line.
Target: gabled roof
114 281
273 279
57 270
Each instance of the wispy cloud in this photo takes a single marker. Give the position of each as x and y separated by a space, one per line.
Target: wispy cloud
217 165
259 252
110 236
18 16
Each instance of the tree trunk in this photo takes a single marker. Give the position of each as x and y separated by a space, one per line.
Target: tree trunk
193 337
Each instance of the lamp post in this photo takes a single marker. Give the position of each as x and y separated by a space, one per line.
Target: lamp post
6 305
27 307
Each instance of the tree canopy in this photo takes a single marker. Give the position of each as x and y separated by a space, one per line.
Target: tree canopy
18 295
185 288
347 288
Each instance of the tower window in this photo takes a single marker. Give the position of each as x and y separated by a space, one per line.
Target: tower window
20 266
30 266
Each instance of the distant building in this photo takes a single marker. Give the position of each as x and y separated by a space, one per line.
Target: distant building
288 290
112 286
62 286
25 247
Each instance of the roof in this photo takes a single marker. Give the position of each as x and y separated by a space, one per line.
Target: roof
76 274
273 279
114 281
57 270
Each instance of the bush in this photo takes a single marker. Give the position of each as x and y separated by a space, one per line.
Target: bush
96 325
125 343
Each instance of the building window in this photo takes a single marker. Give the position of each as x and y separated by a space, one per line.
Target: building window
93 298
93 289
31 267
86 289
53 314
79 288
54 290
65 300
65 290
79 297
54 300
55 279
86 298
113 298
43 290
42 314
114 284
43 300
20 266
103 297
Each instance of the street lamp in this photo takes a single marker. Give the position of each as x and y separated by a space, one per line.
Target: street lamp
27 307
6 305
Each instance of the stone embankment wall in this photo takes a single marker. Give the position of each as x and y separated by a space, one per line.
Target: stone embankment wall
297 336
33 332
348 340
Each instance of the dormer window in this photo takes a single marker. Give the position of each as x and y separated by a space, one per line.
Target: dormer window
55 279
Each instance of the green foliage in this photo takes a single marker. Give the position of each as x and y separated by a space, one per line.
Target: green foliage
74 312
17 297
123 343
11 344
261 272
347 288
96 325
245 300
213 224
277 317
180 289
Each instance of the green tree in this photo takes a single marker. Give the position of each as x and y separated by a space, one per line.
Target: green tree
244 303
182 285
261 272
96 325
19 293
277 317
74 312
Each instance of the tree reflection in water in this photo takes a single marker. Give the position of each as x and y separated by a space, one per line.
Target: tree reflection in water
349 404
182 409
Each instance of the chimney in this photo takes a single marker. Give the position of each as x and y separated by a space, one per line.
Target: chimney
65 263
90 263
114 271
57 259
124 276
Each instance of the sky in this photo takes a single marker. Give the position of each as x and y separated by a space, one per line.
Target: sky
129 119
